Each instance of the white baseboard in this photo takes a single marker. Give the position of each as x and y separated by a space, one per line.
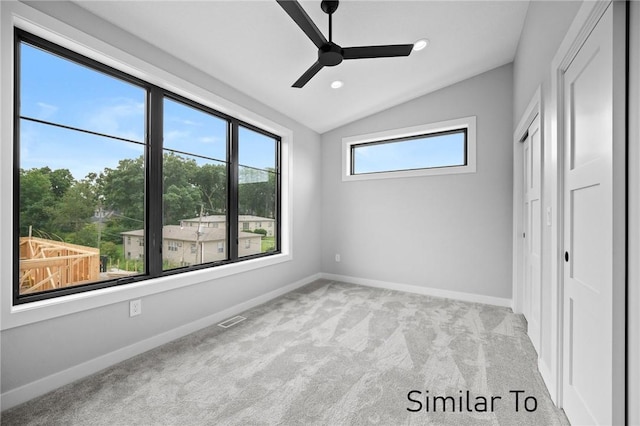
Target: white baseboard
427 291
548 380
41 386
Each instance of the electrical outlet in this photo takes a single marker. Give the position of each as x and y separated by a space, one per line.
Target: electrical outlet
337 258
135 307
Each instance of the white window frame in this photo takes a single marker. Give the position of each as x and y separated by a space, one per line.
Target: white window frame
21 15
468 123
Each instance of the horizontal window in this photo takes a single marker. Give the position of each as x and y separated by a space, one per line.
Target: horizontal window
119 180
443 149
437 148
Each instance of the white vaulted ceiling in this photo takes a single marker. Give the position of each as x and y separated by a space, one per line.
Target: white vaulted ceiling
255 47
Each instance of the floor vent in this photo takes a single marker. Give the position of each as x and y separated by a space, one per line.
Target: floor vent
231 321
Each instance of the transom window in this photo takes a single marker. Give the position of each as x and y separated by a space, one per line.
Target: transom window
101 155
436 148
443 149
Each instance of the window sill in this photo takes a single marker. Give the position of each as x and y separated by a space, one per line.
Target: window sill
451 170
33 312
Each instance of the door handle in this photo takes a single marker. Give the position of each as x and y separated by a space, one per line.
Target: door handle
566 256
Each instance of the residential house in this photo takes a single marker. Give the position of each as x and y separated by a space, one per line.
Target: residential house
246 223
185 246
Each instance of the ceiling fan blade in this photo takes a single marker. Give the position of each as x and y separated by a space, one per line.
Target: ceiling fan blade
297 13
308 75
387 51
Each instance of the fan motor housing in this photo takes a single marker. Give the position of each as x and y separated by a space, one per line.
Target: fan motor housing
329 6
330 55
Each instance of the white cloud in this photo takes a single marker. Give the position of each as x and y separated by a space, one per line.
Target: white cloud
174 135
46 110
123 118
185 121
208 139
189 122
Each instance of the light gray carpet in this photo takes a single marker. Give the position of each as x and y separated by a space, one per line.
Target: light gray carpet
327 354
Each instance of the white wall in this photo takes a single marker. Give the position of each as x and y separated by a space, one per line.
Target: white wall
449 232
35 356
544 28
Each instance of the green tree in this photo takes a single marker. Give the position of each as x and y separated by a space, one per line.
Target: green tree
85 236
180 203
110 250
61 181
181 198
122 190
112 228
76 207
37 202
211 180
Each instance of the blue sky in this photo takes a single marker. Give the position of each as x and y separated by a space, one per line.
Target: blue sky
433 151
62 92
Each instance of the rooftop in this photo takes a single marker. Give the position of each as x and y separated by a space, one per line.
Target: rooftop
222 218
176 232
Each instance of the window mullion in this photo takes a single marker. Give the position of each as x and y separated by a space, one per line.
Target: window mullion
278 230
154 184
232 195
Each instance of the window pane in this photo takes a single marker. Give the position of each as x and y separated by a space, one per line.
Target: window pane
430 151
190 130
194 187
257 193
81 195
57 90
256 150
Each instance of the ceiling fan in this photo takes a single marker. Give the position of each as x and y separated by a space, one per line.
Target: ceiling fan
329 53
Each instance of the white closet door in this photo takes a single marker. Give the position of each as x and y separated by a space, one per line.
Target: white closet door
588 229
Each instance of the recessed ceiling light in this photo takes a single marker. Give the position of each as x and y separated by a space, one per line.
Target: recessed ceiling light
420 44
337 84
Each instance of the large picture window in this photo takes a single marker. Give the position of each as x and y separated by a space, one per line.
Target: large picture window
118 180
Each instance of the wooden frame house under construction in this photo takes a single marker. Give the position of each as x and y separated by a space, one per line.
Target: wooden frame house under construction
47 264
